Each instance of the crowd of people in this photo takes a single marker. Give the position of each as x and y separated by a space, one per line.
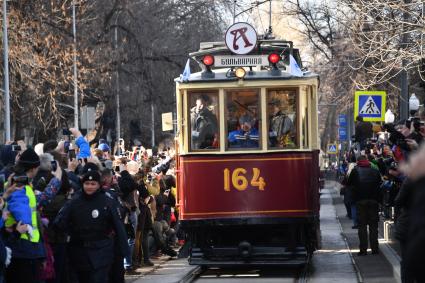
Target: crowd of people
75 213
384 172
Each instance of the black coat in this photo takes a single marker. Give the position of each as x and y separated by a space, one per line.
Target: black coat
366 183
403 202
415 255
92 223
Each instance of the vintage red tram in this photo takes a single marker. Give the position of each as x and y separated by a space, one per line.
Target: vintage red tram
248 169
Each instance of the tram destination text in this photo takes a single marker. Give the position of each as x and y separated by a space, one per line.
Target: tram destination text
241 61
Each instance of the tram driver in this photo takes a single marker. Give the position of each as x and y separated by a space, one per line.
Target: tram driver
281 127
247 136
204 125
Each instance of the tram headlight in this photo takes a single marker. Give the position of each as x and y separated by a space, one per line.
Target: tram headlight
274 58
208 60
240 73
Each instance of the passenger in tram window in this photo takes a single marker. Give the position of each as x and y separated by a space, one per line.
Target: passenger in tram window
247 136
204 125
281 132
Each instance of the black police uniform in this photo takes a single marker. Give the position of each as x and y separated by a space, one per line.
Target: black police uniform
94 226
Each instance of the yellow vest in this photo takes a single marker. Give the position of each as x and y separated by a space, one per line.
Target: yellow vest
34 223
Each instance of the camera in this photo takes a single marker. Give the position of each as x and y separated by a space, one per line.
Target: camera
16 147
20 180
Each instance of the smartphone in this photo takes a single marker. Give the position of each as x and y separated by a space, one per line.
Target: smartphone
117 168
54 165
71 154
20 180
66 146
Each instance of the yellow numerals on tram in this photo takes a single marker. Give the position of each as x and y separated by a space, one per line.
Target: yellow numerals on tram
238 180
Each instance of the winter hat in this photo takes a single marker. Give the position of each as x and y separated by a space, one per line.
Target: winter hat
39 149
103 147
126 183
133 167
91 176
29 159
89 167
109 164
246 119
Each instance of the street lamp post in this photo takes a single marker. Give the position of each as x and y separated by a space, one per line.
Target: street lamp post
74 33
6 73
117 83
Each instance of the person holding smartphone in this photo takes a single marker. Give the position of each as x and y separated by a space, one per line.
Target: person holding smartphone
26 245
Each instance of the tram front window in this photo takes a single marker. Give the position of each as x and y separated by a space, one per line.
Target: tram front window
203 120
243 119
282 108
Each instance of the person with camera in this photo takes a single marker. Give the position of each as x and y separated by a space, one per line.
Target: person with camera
22 225
363 132
366 182
161 226
93 223
128 187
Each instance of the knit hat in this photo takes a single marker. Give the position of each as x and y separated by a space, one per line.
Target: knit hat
29 159
103 147
89 167
246 119
91 176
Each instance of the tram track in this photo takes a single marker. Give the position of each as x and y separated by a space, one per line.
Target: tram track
254 274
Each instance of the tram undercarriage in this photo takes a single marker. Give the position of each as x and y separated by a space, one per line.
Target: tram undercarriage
252 241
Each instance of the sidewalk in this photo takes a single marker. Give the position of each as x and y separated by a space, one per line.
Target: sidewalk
373 268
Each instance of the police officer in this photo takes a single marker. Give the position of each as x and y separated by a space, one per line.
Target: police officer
92 220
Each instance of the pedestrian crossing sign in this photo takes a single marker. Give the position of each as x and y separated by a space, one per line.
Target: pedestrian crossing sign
370 105
332 148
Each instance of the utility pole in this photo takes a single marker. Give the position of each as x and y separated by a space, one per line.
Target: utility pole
117 84
153 121
74 32
6 73
404 84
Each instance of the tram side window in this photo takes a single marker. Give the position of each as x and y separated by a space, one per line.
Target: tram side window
204 120
282 113
242 116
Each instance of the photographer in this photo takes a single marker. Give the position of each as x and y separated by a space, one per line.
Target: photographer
25 240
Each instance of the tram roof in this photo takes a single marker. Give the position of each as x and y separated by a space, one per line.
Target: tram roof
221 76
264 47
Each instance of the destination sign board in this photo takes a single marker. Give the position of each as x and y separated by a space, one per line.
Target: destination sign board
241 61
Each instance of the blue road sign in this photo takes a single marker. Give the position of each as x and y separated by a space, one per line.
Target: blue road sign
332 148
342 134
370 105
342 119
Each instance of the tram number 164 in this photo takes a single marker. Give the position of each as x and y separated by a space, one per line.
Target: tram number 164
240 182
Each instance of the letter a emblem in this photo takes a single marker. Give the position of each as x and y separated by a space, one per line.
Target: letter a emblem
241 38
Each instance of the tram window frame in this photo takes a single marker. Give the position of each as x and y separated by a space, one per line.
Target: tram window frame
296 91
191 98
227 148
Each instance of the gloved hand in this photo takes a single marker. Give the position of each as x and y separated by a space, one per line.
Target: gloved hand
8 256
30 231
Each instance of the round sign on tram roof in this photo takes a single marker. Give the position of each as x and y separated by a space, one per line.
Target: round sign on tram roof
241 38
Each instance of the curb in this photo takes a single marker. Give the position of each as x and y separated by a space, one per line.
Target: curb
392 257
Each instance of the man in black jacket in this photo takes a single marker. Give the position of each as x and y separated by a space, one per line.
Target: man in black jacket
366 182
